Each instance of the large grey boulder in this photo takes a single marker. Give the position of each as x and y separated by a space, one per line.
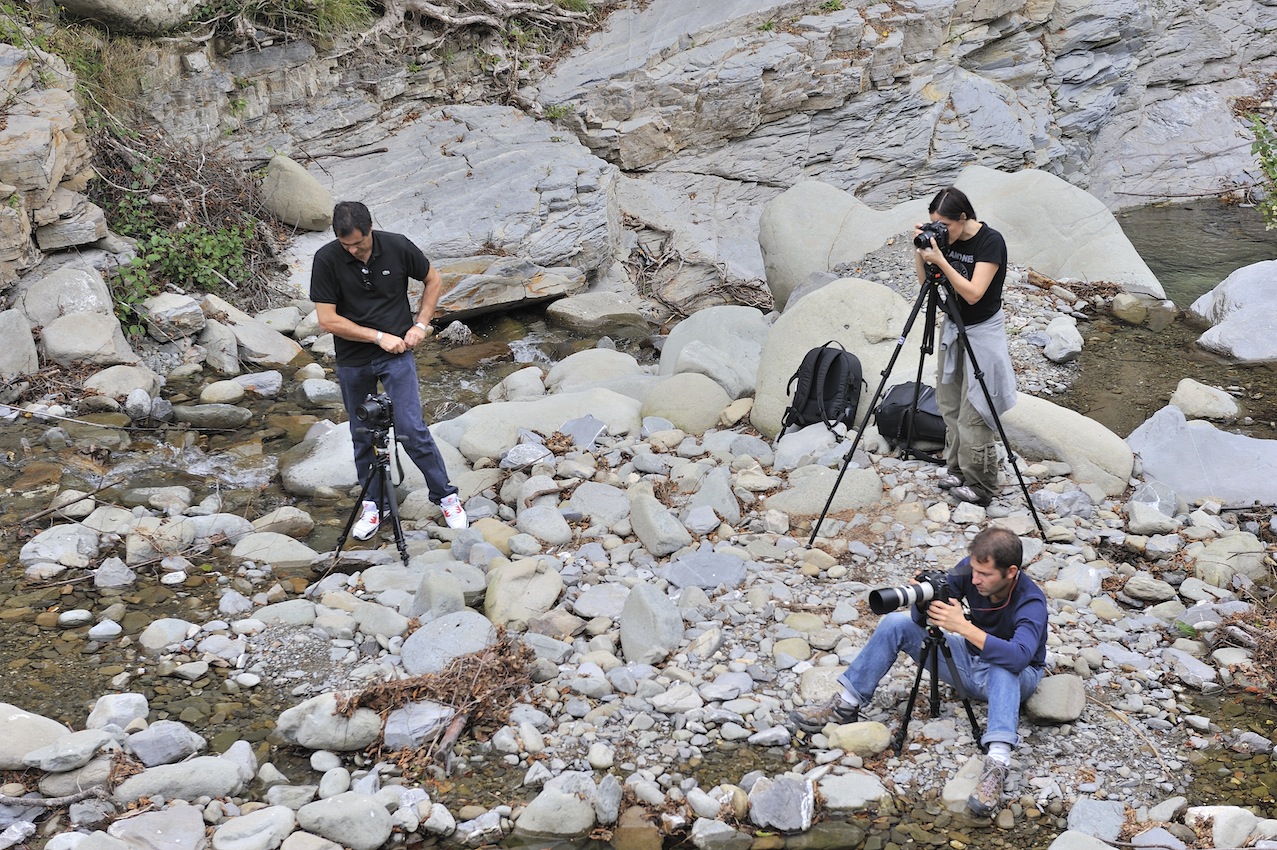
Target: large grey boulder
656 527
651 625
724 343
1242 314
473 286
21 732
279 550
324 464
197 777
589 368
66 290
170 316
259 343
173 828
433 646
353 820
86 338
316 725
564 808
812 229
810 487
134 16
496 176
62 544
692 401
866 318
118 381
262 829
599 313
786 803
293 196
1057 699
1041 430
165 742
1198 401
490 429
18 355
1197 460
520 591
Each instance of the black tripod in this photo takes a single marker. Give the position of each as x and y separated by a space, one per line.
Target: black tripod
929 660
936 294
378 481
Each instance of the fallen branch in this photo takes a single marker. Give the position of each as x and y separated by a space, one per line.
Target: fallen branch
51 802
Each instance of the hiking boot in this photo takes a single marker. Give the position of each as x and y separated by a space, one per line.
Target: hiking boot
811 719
368 523
453 513
948 482
987 796
967 494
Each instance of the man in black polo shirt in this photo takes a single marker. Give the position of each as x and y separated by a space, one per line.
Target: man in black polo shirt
359 284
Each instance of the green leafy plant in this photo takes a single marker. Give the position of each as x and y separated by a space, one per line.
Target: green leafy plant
831 6
1264 149
556 111
574 5
767 26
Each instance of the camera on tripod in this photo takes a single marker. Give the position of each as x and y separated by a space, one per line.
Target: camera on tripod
932 584
936 230
376 410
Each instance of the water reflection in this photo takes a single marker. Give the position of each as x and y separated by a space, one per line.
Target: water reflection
1192 247
1128 374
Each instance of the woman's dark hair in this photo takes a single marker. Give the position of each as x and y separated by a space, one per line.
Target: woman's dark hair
349 216
952 204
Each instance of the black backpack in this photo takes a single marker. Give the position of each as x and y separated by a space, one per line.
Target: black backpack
893 416
828 391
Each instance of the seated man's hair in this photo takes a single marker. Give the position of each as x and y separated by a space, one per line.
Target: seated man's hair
1003 546
349 216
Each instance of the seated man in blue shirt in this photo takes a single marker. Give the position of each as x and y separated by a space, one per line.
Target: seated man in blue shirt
999 652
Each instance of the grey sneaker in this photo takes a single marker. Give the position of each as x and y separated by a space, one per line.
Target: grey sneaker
948 482
811 719
987 796
967 494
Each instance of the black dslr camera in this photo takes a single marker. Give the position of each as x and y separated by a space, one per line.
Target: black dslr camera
932 584
936 230
376 410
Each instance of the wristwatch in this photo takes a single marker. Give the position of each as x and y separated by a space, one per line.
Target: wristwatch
379 336
421 325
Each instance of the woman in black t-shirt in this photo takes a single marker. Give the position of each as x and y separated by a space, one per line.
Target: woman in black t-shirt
974 263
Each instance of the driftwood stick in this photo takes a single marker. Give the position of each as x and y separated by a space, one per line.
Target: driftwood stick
51 802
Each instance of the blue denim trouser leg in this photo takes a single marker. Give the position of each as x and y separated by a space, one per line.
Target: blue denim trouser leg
397 373
1002 689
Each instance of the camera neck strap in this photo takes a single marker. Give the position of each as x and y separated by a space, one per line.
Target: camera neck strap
1010 592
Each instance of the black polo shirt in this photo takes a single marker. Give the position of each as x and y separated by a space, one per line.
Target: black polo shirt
372 294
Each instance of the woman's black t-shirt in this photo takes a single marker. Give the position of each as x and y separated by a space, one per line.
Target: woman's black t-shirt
987 246
372 294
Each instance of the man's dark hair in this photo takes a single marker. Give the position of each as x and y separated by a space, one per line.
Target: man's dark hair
349 216
999 544
952 204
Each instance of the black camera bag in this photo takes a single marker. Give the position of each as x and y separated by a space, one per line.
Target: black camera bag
893 416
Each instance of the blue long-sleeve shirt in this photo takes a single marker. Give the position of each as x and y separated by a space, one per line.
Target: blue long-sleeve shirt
1016 627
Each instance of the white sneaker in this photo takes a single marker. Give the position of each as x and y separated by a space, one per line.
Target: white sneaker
453 513
368 523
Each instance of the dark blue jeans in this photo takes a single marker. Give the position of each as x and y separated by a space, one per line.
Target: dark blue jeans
397 373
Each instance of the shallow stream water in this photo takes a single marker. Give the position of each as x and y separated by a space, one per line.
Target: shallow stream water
1127 374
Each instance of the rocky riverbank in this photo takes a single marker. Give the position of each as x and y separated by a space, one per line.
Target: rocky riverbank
671 615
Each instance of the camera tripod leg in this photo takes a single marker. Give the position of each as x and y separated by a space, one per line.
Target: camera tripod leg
873 405
378 476
933 646
350 520
400 543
